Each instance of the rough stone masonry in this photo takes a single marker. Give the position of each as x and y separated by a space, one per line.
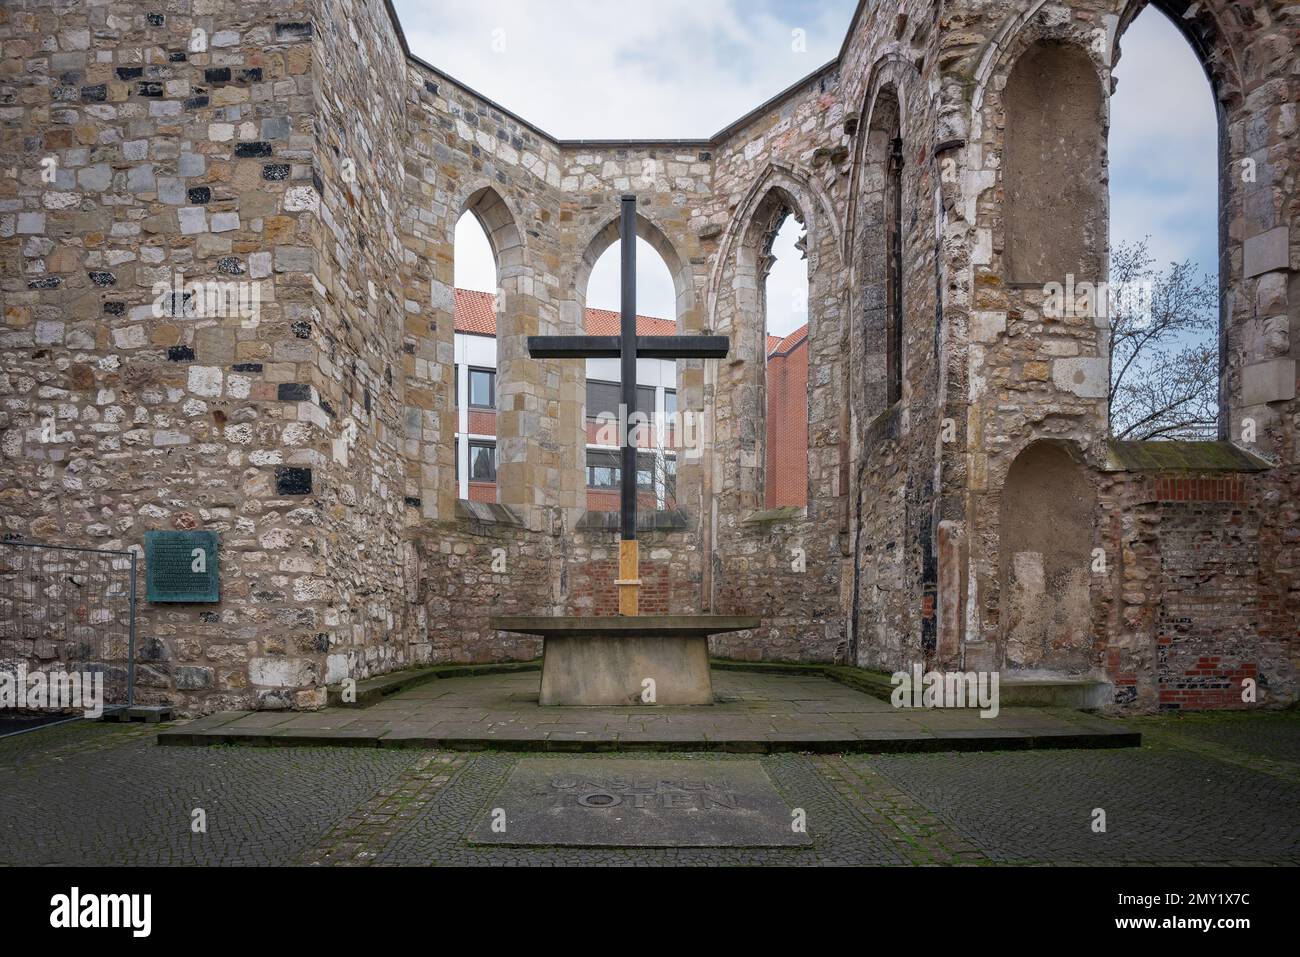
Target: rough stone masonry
227 239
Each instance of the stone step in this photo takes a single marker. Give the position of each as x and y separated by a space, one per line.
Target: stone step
370 690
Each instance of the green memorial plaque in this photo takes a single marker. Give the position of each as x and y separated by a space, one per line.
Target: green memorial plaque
181 566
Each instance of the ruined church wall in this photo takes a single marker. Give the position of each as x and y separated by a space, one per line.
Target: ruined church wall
303 151
1028 376
901 491
181 142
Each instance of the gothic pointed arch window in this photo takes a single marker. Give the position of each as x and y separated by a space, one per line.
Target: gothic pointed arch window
883 292
486 242
659 304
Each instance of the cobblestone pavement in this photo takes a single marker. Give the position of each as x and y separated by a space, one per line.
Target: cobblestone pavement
1204 789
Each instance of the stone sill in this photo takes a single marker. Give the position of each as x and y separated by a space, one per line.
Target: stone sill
485 513
669 520
772 516
1175 455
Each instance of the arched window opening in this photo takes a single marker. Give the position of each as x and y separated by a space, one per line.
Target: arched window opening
894 287
784 268
656 390
475 369
1164 239
883 301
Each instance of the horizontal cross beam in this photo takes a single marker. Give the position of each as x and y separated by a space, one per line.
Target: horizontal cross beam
610 347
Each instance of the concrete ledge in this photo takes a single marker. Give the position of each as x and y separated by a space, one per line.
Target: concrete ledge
1077 694
661 520
486 513
769 516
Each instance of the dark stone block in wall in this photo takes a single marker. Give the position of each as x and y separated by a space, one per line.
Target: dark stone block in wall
247 367
291 480
414 501
114 308
252 149
178 56
251 75
150 88
293 31
199 195
217 74
103 278
431 87
275 171
180 354
130 72
49 282
95 94
155 19
230 266
301 328
196 102
327 408
294 392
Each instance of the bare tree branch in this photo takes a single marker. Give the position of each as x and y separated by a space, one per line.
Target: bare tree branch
1164 363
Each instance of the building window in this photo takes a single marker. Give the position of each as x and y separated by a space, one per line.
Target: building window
602 398
603 470
482 461
645 401
482 388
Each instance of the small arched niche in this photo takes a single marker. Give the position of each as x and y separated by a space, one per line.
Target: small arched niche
1047 523
1054 167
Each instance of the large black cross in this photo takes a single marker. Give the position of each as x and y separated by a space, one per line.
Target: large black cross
627 346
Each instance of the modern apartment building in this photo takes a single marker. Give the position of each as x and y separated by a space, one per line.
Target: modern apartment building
476 403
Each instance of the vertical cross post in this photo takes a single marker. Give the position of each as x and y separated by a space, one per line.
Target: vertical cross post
629 571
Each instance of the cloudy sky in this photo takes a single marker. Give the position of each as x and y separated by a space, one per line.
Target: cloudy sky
686 68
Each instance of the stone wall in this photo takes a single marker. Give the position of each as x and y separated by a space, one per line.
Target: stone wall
298 146
154 146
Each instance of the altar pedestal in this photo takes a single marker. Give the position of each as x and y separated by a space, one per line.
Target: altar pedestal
642 660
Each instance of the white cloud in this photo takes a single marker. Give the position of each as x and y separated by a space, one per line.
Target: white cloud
683 68
589 69
1164 146
594 69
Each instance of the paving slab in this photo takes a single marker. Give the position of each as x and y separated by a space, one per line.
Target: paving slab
619 802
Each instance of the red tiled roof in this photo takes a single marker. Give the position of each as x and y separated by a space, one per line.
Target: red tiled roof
602 322
476 312
778 346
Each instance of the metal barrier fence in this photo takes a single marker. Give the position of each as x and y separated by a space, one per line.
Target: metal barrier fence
69 609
